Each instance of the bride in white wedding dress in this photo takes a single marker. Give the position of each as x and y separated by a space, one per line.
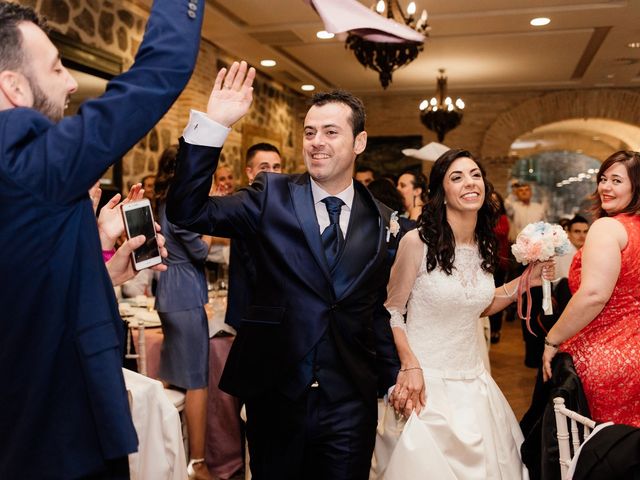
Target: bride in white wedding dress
460 426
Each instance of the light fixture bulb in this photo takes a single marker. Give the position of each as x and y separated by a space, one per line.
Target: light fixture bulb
447 101
460 104
308 88
411 8
434 101
324 35
540 21
424 104
380 6
268 63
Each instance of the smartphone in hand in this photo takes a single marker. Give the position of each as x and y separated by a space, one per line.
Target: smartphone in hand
138 220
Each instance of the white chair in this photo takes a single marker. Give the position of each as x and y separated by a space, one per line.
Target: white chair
566 447
176 397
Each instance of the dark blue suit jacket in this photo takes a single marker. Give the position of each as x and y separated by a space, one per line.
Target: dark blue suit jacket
297 296
63 404
242 281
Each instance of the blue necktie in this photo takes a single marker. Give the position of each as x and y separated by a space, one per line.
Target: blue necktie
332 239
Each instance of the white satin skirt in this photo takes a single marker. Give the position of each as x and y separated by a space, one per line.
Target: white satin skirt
467 431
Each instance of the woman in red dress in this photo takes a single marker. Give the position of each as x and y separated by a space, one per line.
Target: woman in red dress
600 328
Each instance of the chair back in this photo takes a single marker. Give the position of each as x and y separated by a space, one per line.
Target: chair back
569 439
141 355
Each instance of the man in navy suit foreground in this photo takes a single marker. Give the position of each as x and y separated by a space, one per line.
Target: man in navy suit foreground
64 411
314 347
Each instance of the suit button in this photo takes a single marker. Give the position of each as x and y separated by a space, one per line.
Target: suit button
191 14
193 6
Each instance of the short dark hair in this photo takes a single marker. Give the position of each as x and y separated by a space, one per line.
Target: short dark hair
358 115
365 168
142 180
385 192
631 161
11 15
576 219
260 147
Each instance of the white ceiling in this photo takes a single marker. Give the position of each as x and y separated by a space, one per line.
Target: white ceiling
484 45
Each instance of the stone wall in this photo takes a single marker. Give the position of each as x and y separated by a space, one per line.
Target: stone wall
117 26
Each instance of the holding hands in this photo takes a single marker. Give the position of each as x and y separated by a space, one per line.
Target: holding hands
232 94
409 392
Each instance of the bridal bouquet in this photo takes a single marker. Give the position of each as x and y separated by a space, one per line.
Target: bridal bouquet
538 242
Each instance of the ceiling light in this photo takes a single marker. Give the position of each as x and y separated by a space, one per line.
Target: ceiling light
324 35
308 88
540 21
633 45
268 63
441 114
386 57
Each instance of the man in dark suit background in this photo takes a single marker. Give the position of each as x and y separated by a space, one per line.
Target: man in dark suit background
314 346
64 410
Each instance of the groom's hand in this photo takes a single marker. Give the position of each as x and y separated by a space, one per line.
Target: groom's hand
232 94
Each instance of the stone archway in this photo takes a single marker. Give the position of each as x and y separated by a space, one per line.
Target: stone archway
621 105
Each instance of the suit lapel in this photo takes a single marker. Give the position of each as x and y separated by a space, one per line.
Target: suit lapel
306 213
360 254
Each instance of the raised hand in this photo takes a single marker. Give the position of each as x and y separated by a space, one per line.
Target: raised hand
232 94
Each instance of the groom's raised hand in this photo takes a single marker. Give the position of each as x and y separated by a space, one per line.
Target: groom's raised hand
232 94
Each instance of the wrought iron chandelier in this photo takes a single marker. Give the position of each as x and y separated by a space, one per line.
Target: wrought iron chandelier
386 57
441 114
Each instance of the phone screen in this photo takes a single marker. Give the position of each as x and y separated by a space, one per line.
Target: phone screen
140 222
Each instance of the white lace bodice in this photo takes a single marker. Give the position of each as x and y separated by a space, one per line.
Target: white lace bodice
442 310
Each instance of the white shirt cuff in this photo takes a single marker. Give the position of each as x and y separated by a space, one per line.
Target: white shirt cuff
203 131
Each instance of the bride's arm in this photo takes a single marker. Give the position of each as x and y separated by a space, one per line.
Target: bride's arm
507 293
409 391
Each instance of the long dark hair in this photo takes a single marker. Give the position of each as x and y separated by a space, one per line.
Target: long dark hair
631 161
166 170
434 229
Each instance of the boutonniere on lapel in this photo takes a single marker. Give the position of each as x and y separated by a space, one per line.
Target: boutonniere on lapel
394 226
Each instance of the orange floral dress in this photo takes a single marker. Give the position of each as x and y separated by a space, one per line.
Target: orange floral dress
606 352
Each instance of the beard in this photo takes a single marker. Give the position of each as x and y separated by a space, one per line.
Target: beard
44 104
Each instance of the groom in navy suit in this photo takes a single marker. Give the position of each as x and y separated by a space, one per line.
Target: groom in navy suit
64 412
314 347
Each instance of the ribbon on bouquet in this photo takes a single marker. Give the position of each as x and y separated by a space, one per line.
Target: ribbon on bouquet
524 287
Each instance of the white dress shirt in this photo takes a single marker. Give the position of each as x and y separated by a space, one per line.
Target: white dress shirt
203 131
322 214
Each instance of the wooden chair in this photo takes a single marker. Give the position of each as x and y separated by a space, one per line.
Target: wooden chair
569 440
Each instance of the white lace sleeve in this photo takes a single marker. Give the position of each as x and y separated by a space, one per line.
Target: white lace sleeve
403 276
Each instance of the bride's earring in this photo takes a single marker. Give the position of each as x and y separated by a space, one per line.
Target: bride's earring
445 201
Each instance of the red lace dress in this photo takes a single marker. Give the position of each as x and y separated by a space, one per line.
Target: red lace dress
606 352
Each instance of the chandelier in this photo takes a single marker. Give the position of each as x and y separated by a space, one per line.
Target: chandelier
441 114
385 57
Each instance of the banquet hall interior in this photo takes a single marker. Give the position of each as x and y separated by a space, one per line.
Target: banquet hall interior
541 92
